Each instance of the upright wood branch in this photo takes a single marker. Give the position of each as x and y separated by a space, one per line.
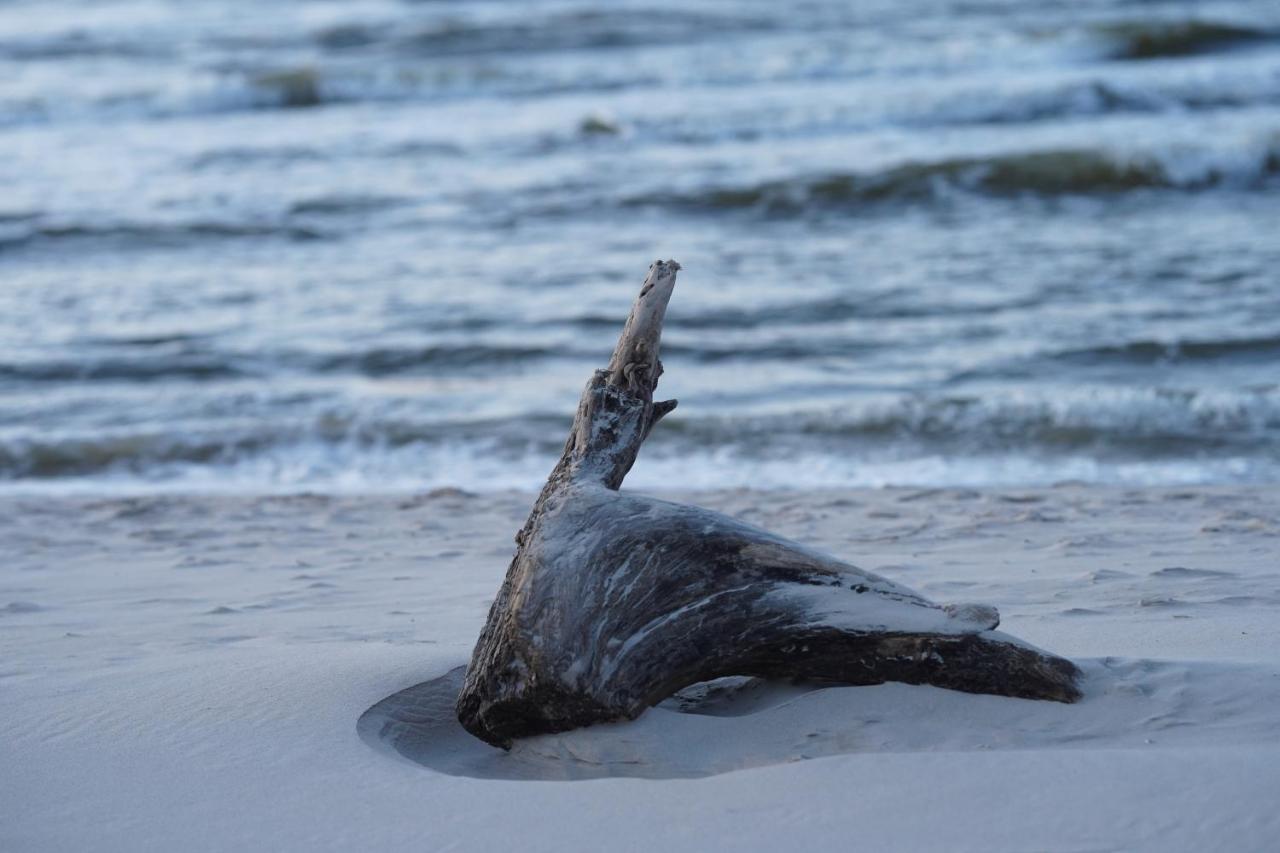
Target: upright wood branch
635 365
613 602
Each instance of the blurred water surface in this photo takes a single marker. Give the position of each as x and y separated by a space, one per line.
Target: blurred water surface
381 245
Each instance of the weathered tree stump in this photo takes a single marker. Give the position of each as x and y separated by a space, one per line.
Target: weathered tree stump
615 601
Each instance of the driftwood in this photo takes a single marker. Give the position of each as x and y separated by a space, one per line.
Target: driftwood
615 601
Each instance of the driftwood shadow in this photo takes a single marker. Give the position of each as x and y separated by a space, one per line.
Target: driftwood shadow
420 725
737 724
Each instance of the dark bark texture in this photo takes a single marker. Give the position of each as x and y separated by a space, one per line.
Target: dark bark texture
615 601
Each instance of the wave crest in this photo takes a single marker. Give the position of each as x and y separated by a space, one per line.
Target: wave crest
1164 39
1070 171
1102 424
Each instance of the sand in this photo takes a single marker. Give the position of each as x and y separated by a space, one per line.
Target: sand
213 673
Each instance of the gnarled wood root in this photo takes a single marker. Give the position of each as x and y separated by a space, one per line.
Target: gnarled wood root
613 602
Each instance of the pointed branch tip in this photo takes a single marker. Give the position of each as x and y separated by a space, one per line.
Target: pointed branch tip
635 363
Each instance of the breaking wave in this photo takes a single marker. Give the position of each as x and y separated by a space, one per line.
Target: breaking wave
1142 424
1164 39
583 29
1078 171
1265 347
179 359
299 222
1190 427
147 235
140 369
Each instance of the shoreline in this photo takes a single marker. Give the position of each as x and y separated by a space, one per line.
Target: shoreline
188 671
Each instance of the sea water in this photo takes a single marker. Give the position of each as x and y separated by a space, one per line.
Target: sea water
381 245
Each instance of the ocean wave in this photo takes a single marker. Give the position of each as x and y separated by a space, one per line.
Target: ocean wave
149 358
898 304
1146 352
1136 423
780 350
1164 39
387 361
1073 91
79 44
239 155
143 368
1102 424
137 452
557 30
1068 94
289 87
178 356
349 203
236 156
282 87
304 469
304 220
157 339
327 440
1060 172
32 232
1096 95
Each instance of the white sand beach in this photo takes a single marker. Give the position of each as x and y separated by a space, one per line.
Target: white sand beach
187 673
